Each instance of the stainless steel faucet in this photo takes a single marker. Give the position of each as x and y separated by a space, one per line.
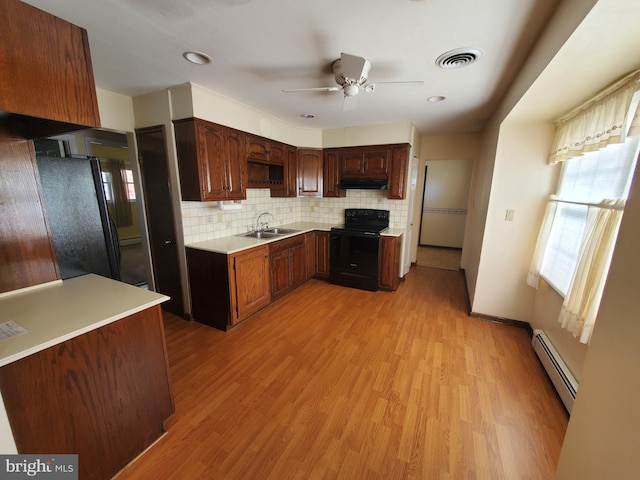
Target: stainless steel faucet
263 225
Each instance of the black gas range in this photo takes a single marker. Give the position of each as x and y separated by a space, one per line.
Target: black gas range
355 248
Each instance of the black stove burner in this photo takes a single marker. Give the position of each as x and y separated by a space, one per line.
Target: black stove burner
364 221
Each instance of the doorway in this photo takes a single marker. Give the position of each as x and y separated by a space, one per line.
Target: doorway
444 202
154 168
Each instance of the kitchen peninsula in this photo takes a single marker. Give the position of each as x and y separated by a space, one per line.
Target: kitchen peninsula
89 376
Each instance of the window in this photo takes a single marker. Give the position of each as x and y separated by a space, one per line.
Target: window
107 186
131 189
129 186
585 180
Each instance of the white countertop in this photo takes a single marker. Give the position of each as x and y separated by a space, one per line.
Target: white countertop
236 243
62 310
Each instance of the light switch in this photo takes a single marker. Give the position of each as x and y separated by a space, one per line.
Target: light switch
508 216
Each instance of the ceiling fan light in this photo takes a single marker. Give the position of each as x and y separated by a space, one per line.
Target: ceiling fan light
351 90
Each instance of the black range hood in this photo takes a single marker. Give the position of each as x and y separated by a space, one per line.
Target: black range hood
363 184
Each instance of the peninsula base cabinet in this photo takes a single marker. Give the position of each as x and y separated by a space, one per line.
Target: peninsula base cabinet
103 395
389 276
226 289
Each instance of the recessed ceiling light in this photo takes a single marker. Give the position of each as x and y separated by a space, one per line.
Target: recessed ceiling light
198 58
307 115
436 99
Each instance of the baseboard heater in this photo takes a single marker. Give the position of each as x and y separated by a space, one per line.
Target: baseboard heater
559 373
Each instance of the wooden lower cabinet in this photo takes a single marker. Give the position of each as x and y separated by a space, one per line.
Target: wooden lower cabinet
389 270
103 395
310 253
249 278
288 265
322 254
226 289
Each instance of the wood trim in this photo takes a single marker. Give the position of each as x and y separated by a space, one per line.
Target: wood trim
504 321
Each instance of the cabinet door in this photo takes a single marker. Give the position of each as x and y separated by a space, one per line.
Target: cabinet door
251 290
280 282
375 164
211 156
331 174
257 148
297 264
351 164
310 252
276 152
389 263
236 176
310 173
291 169
322 254
398 172
46 72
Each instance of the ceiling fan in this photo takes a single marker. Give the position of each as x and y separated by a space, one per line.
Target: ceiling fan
351 73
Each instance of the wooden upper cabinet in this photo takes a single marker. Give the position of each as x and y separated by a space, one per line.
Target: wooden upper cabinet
396 189
310 175
331 174
289 187
47 84
235 173
259 149
210 160
364 162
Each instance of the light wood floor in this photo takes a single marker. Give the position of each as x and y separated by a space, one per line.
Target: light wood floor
331 382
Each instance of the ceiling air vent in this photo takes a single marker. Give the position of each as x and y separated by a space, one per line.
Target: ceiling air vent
460 57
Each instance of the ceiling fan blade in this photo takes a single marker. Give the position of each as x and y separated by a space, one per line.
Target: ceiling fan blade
352 65
319 89
370 87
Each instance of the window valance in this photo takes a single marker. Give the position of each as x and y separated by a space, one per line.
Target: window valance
605 119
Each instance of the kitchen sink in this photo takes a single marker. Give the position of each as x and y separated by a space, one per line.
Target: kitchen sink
269 233
260 234
280 231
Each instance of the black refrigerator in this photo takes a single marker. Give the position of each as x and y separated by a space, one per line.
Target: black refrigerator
84 236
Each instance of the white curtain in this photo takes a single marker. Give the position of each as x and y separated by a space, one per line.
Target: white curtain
543 238
580 306
602 121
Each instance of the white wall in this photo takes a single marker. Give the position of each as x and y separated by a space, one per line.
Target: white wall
546 309
522 182
116 111
566 18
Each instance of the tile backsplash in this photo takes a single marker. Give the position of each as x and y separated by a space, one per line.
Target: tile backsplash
205 221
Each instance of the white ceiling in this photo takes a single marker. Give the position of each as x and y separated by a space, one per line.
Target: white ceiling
260 47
